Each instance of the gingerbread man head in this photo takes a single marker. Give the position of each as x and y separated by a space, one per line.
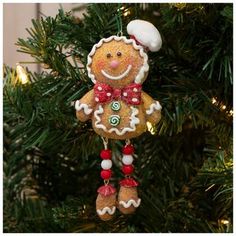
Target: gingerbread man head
118 61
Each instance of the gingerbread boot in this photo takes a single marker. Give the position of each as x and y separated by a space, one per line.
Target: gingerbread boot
106 199
128 199
106 202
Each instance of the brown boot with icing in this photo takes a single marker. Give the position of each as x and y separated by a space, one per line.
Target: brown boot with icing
128 199
106 202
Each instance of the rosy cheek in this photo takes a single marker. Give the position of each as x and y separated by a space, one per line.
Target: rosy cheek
101 64
130 60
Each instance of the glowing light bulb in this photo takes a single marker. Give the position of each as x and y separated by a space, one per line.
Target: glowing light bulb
150 128
21 74
223 107
213 100
231 112
126 13
223 221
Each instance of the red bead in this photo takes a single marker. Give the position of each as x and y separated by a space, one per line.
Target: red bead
106 174
128 149
105 154
127 169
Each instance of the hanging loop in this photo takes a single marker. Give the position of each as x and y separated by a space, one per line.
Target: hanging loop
120 34
105 142
119 20
127 142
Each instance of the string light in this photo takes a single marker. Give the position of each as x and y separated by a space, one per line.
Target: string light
21 74
126 13
221 106
150 128
213 100
223 221
84 208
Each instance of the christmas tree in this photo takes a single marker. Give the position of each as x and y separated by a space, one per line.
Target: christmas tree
184 163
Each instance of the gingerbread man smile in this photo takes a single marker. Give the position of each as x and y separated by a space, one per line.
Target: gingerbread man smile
125 73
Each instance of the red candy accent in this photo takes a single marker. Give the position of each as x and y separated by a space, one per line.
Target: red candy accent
106 174
128 182
106 190
105 154
127 169
128 149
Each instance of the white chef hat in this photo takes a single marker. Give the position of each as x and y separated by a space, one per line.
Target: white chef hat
145 34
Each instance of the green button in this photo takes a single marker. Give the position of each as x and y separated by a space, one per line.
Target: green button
114 120
115 106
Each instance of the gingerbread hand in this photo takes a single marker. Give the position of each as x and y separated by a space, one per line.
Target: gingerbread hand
85 106
152 109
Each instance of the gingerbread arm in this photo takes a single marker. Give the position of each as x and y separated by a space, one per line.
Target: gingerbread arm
85 106
152 108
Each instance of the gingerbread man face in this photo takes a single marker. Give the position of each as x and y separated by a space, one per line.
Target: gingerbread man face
117 61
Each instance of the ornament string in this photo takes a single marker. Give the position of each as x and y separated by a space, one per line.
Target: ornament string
105 142
119 21
127 142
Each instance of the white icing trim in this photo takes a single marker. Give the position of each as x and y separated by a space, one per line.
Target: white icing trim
130 202
152 107
106 210
143 69
79 106
119 76
133 122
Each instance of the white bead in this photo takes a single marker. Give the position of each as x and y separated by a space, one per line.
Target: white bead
127 159
125 94
135 90
97 99
108 94
99 88
106 164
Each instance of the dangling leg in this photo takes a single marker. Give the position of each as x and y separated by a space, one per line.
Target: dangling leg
106 199
128 199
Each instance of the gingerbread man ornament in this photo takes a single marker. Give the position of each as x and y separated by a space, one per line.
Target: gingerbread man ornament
118 107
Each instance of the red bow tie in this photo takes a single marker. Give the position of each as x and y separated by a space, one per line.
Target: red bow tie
131 94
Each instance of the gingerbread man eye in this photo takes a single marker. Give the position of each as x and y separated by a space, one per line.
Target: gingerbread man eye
118 54
109 55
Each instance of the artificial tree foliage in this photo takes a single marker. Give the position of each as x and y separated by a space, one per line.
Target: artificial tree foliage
184 165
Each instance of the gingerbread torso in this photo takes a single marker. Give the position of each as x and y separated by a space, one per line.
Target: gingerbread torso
117 120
